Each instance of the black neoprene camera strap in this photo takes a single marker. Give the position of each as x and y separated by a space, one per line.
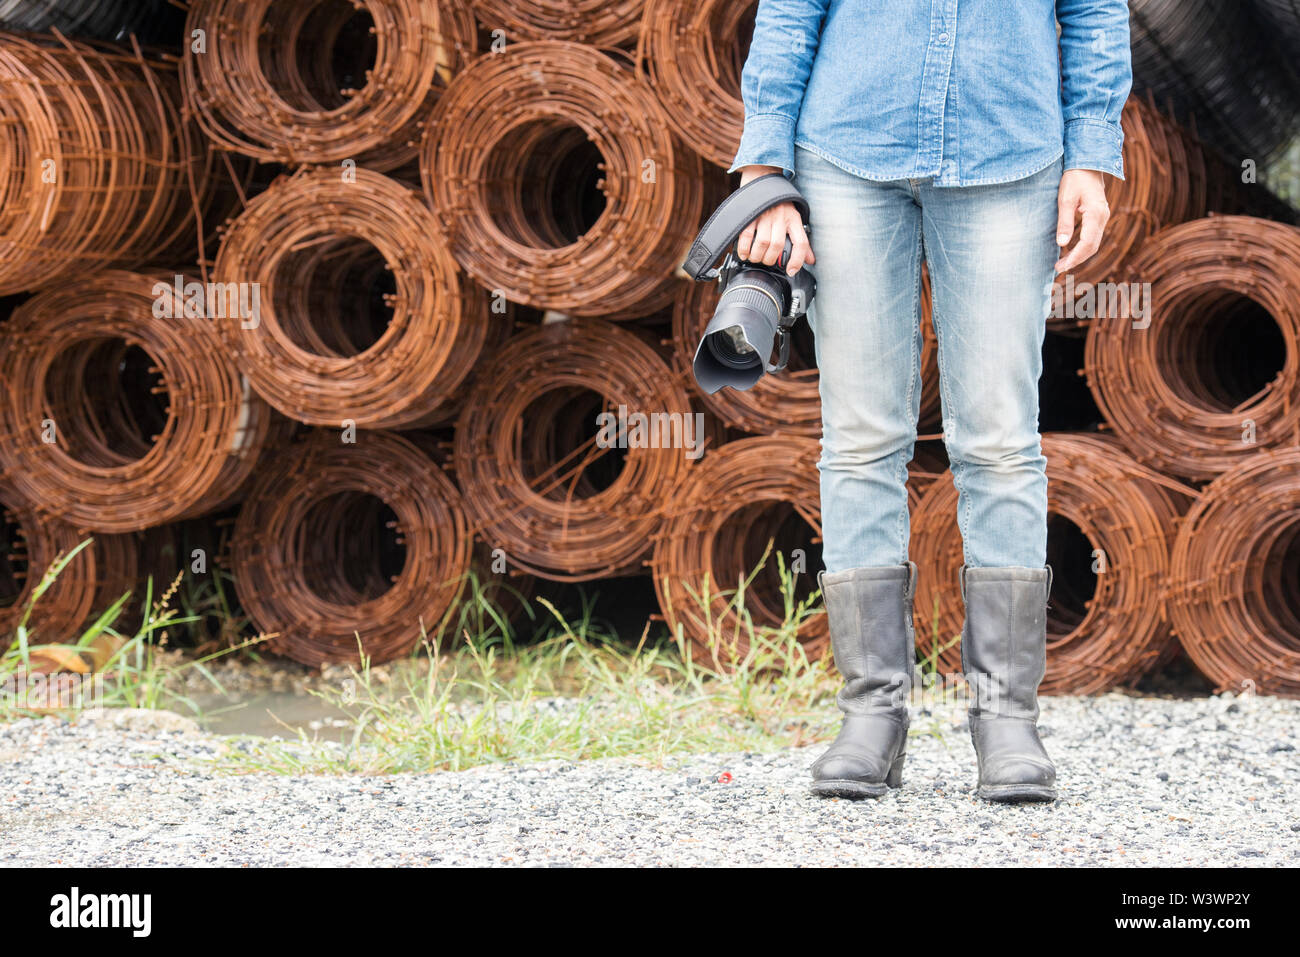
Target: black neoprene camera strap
735 213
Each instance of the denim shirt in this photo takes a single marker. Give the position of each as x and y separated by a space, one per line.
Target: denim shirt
965 91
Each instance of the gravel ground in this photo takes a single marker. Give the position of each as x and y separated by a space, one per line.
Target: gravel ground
1144 781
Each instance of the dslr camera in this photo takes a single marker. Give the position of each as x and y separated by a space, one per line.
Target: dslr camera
759 303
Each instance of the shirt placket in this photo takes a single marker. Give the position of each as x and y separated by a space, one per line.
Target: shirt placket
934 87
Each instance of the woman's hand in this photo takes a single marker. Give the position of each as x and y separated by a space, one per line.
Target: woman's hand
1082 193
763 240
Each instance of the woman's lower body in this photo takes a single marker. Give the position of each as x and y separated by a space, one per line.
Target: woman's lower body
990 252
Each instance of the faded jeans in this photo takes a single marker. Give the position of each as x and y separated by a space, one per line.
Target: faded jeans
990 251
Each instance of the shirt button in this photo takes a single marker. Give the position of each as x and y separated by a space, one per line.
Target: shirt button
943 38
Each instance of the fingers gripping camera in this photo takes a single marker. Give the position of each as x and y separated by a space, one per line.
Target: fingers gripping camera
759 303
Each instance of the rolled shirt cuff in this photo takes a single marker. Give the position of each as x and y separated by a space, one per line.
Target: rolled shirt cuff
768 140
1094 144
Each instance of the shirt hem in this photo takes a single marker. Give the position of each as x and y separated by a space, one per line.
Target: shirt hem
877 177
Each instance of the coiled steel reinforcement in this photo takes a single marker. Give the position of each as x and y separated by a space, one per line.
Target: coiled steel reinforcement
566 178
1164 388
260 76
565 507
1234 595
1128 515
694 54
507 128
311 230
601 23
717 526
30 542
96 167
100 452
309 563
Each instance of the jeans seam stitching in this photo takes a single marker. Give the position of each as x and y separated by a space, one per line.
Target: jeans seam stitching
954 464
914 366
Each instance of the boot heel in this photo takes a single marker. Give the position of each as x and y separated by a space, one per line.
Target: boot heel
895 779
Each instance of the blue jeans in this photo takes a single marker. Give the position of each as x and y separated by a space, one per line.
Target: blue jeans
990 252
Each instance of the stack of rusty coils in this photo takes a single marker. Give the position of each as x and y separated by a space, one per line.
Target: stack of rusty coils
1235 591
747 496
788 402
96 168
1220 69
317 366
314 564
1157 377
600 23
102 457
693 54
1127 512
561 505
30 542
568 178
261 76
514 122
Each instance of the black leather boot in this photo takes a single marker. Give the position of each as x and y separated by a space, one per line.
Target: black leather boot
870 612
1004 655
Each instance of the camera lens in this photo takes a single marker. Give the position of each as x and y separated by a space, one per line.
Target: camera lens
730 348
739 338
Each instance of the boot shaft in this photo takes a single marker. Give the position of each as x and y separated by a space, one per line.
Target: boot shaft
870 617
1004 640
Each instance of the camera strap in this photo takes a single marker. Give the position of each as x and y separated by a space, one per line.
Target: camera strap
783 327
735 213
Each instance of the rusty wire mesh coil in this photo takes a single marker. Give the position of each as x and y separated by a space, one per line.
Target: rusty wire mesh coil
30 542
693 54
559 501
1127 515
788 401
715 529
480 306
1191 395
503 140
1234 597
314 561
96 168
601 23
338 304
265 85
85 433
309 235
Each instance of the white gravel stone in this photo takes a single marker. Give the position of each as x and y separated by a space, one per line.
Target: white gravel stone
1144 781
